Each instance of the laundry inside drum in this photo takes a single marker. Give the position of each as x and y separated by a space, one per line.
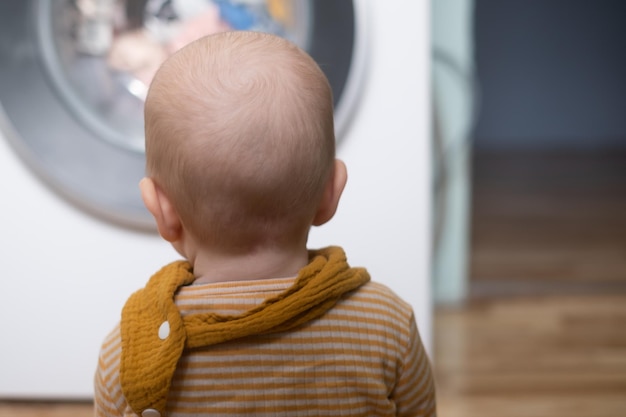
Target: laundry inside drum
100 55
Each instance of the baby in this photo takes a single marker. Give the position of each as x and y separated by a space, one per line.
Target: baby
240 152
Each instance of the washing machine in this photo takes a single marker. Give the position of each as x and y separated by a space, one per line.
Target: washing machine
76 239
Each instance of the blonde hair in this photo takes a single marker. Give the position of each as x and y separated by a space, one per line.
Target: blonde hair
240 136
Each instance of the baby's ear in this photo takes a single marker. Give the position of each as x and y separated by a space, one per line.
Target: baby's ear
161 208
332 194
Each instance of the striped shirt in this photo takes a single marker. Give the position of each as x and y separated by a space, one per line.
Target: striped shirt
362 358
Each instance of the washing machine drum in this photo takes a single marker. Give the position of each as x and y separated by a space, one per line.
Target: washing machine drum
74 73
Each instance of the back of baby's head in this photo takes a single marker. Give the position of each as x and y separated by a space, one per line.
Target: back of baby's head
239 134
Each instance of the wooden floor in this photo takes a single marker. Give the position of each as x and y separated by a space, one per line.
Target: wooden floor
45 409
544 331
547 223
533 357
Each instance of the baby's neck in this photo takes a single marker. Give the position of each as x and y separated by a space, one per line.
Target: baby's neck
269 263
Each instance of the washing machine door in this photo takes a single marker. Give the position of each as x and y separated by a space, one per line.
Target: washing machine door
74 73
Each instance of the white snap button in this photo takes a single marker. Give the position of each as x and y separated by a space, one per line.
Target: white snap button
150 412
164 332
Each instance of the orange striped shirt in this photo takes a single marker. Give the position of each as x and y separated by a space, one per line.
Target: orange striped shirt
362 358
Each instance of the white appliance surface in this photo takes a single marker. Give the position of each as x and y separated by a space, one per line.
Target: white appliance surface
67 274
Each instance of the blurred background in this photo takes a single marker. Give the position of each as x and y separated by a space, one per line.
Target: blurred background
530 207
528 200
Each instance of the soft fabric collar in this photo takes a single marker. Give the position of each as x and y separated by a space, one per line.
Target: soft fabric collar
154 334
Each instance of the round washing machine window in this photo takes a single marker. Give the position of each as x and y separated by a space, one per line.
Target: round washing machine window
74 74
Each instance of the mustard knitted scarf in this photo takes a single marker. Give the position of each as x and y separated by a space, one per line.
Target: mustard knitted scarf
154 334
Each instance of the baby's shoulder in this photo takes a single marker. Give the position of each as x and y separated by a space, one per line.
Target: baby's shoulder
379 297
